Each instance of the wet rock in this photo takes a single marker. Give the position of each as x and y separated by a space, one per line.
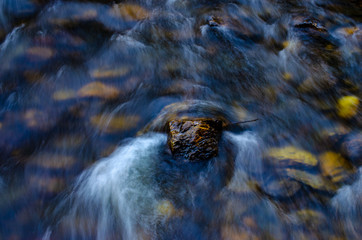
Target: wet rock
105 74
194 139
280 188
291 156
100 90
46 172
235 233
351 148
63 95
101 18
112 124
347 106
308 216
334 166
166 209
310 179
311 24
129 12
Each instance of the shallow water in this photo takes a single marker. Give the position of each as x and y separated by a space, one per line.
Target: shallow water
86 88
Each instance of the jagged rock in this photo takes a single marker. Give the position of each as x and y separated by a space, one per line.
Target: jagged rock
194 139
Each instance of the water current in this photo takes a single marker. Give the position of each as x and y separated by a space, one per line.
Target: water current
87 88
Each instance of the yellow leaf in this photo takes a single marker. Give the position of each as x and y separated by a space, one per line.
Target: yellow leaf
347 106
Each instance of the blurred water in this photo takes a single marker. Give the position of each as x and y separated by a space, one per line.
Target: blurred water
87 87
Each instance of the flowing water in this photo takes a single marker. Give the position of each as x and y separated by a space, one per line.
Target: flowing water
86 85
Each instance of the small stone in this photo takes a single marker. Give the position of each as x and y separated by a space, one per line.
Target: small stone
115 123
312 180
166 209
333 165
63 95
308 216
281 188
100 90
290 155
194 139
42 53
347 106
287 76
130 12
110 73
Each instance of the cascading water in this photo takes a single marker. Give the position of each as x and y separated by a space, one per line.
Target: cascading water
122 193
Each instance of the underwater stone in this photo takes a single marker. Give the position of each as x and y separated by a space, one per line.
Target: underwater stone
194 139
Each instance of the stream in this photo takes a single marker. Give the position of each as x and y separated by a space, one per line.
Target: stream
87 86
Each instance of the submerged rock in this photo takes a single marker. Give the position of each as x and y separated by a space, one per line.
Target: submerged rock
291 156
194 139
334 166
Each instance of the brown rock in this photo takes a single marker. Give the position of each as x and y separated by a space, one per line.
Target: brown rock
194 139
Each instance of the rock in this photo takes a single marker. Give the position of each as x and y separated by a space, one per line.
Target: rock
41 53
235 233
63 95
166 209
313 180
291 156
111 124
100 90
194 139
351 148
334 166
101 74
308 216
129 12
347 106
280 188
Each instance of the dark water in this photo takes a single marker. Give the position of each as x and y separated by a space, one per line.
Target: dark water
83 85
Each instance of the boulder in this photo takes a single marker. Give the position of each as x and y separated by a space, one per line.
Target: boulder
194 139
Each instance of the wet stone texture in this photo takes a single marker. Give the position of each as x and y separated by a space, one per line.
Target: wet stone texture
194 139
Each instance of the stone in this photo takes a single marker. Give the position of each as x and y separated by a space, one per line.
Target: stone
347 106
290 156
194 139
334 166
281 188
100 90
129 12
63 95
166 209
313 180
112 124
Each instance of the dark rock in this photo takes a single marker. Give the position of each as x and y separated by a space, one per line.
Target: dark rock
194 139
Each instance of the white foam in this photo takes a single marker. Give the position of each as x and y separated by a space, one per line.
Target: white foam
117 193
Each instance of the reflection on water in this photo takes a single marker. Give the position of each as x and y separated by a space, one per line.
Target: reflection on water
85 86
